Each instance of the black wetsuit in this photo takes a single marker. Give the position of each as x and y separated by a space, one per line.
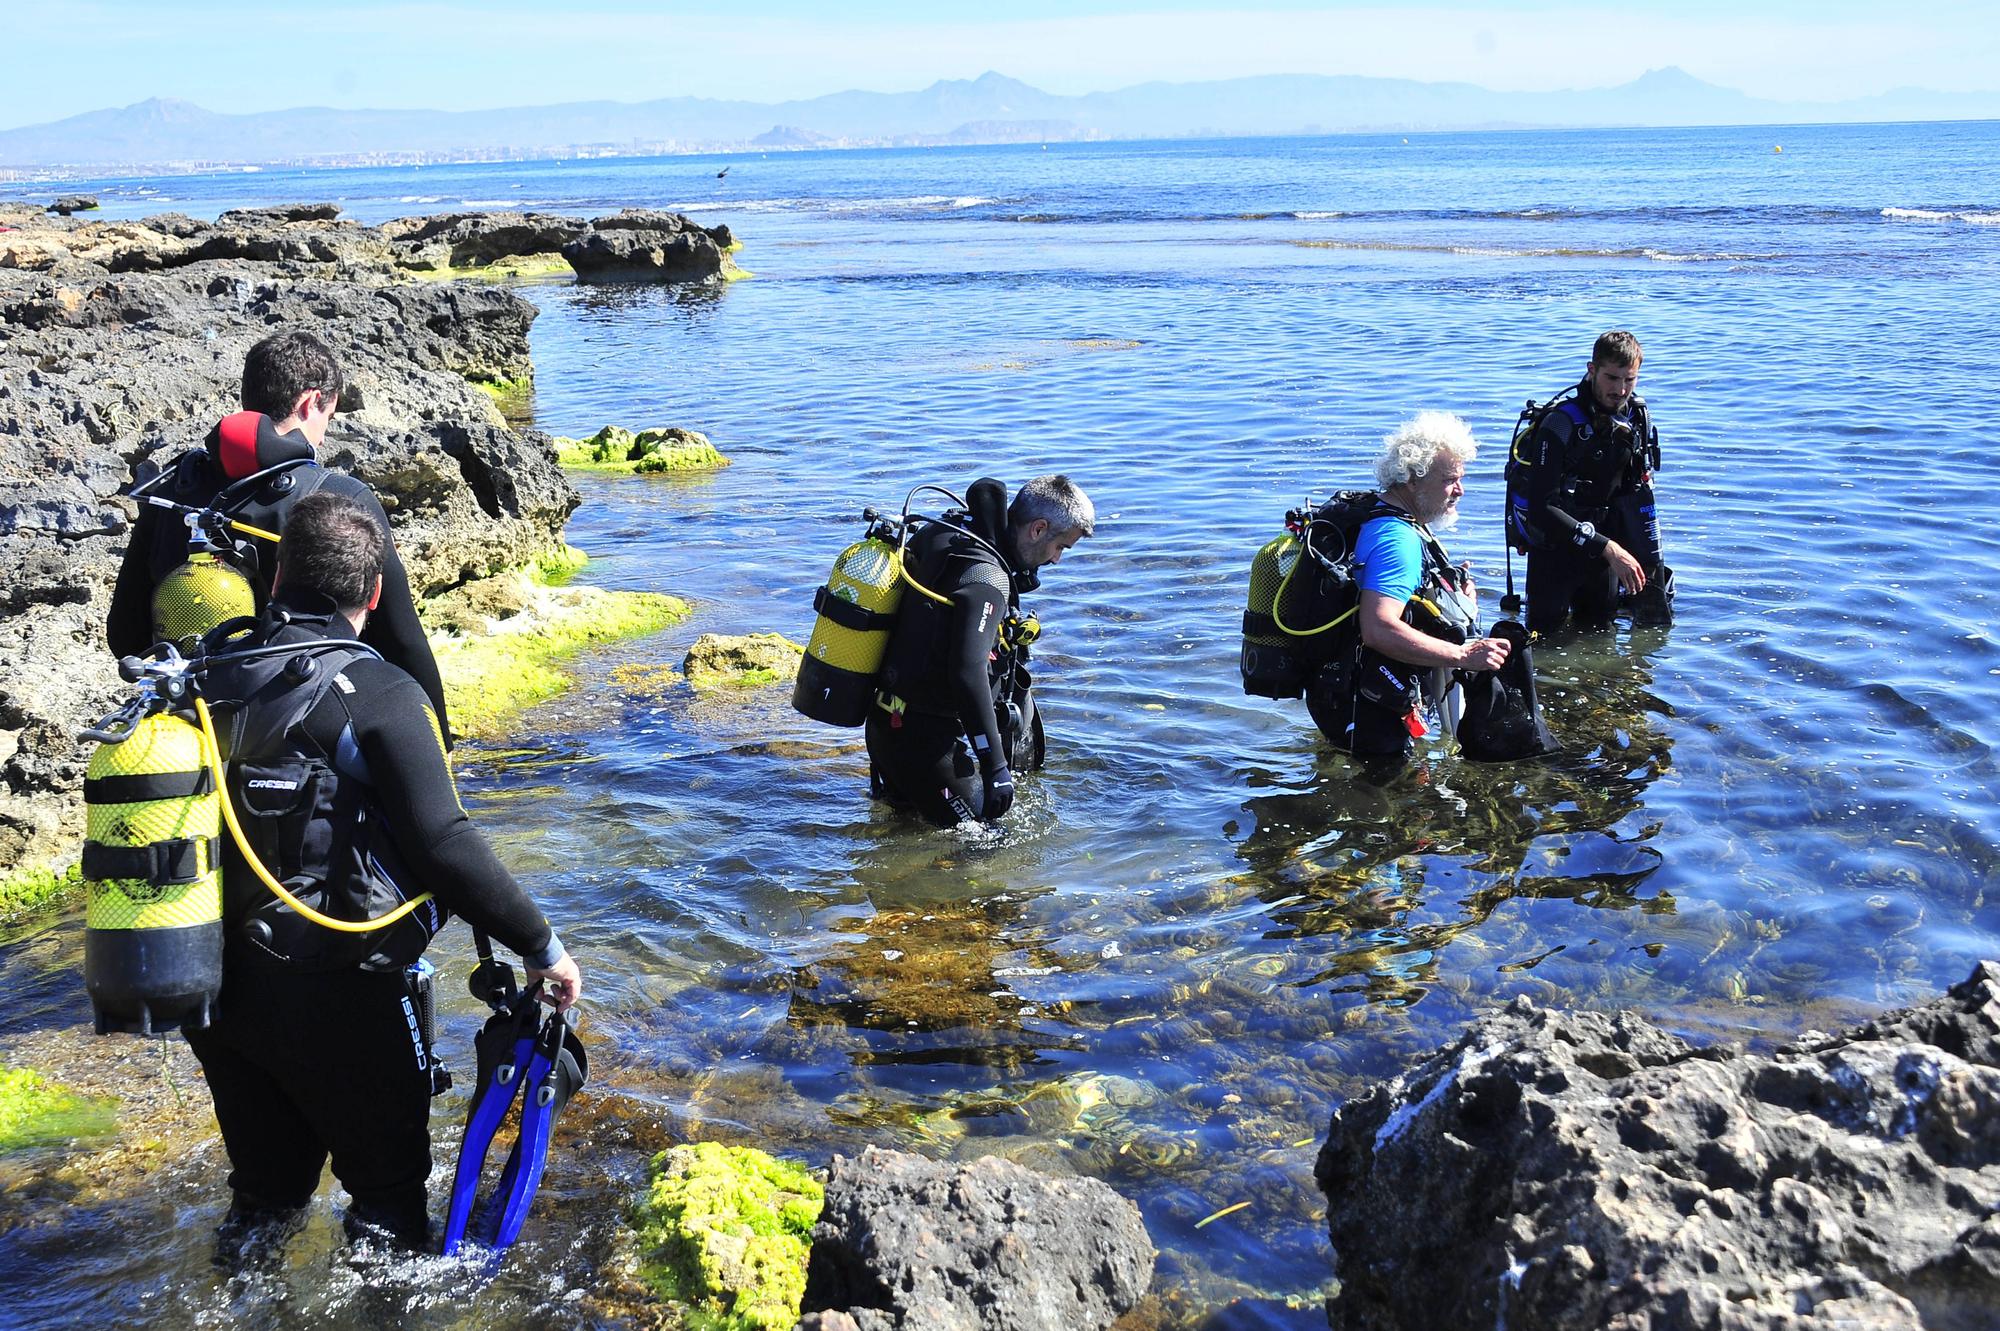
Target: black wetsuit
315 1055
954 677
159 543
1589 466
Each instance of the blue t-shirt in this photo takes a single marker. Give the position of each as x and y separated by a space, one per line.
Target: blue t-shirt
1389 558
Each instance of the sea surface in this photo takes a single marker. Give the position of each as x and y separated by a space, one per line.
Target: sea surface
1200 931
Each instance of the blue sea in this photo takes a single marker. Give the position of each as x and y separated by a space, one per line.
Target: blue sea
1200 931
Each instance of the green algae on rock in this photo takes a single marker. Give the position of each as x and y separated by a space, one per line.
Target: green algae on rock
35 1112
741 661
725 1231
614 448
508 268
500 641
25 890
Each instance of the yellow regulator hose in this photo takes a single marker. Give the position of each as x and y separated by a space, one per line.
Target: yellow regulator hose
250 856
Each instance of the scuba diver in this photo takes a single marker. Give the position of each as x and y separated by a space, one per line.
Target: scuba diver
319 1044
1357 607
201 549
1580 499
939 675
956 714
1416 612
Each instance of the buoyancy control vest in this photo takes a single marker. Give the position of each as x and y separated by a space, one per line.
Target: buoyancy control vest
945 556
307 813
1439 610
1607 457
1358 676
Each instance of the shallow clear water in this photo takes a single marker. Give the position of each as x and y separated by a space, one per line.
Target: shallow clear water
1199 930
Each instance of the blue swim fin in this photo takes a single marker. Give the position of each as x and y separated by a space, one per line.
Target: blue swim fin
521 1055
557 1069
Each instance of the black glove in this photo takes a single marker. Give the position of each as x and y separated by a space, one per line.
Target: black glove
999 793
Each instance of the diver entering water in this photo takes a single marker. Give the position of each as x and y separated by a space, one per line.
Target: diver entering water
202 547
341 804
949 705
1360 608
1580 502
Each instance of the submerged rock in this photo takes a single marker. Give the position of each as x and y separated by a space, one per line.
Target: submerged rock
726 1229
907 1244
1551 1171
721 660
34 1111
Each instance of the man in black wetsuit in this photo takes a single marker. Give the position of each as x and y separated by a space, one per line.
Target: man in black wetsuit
956 717
336 766
291 389
1581 495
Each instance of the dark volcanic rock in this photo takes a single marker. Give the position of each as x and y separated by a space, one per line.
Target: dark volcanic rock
308 241
178 225
907 1244
473 240
73 203
624 255
99 373
1555 1170
279 215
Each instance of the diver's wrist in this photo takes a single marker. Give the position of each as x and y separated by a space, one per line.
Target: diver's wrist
548 957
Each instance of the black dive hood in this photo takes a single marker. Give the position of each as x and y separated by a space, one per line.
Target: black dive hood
249 442
986 507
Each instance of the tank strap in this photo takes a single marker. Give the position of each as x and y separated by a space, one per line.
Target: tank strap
144 786
160 863
847 614
1259 625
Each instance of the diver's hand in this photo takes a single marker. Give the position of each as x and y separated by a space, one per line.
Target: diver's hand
562 983
1484 654
999 794
1631 578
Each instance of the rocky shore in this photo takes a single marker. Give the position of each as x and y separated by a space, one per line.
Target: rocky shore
1557 1171
123 342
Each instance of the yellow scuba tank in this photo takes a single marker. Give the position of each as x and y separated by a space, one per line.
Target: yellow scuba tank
1273 662
152 957
196 596
857 609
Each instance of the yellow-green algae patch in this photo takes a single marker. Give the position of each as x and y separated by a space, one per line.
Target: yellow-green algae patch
35 1111
25 890
614 448
500 642
724 1231
513 267
742 661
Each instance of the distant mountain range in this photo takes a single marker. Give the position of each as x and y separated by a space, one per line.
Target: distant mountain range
164 133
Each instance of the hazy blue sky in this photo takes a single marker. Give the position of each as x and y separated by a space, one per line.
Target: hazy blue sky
59 57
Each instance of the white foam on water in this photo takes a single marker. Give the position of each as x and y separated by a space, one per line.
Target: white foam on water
1973 218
